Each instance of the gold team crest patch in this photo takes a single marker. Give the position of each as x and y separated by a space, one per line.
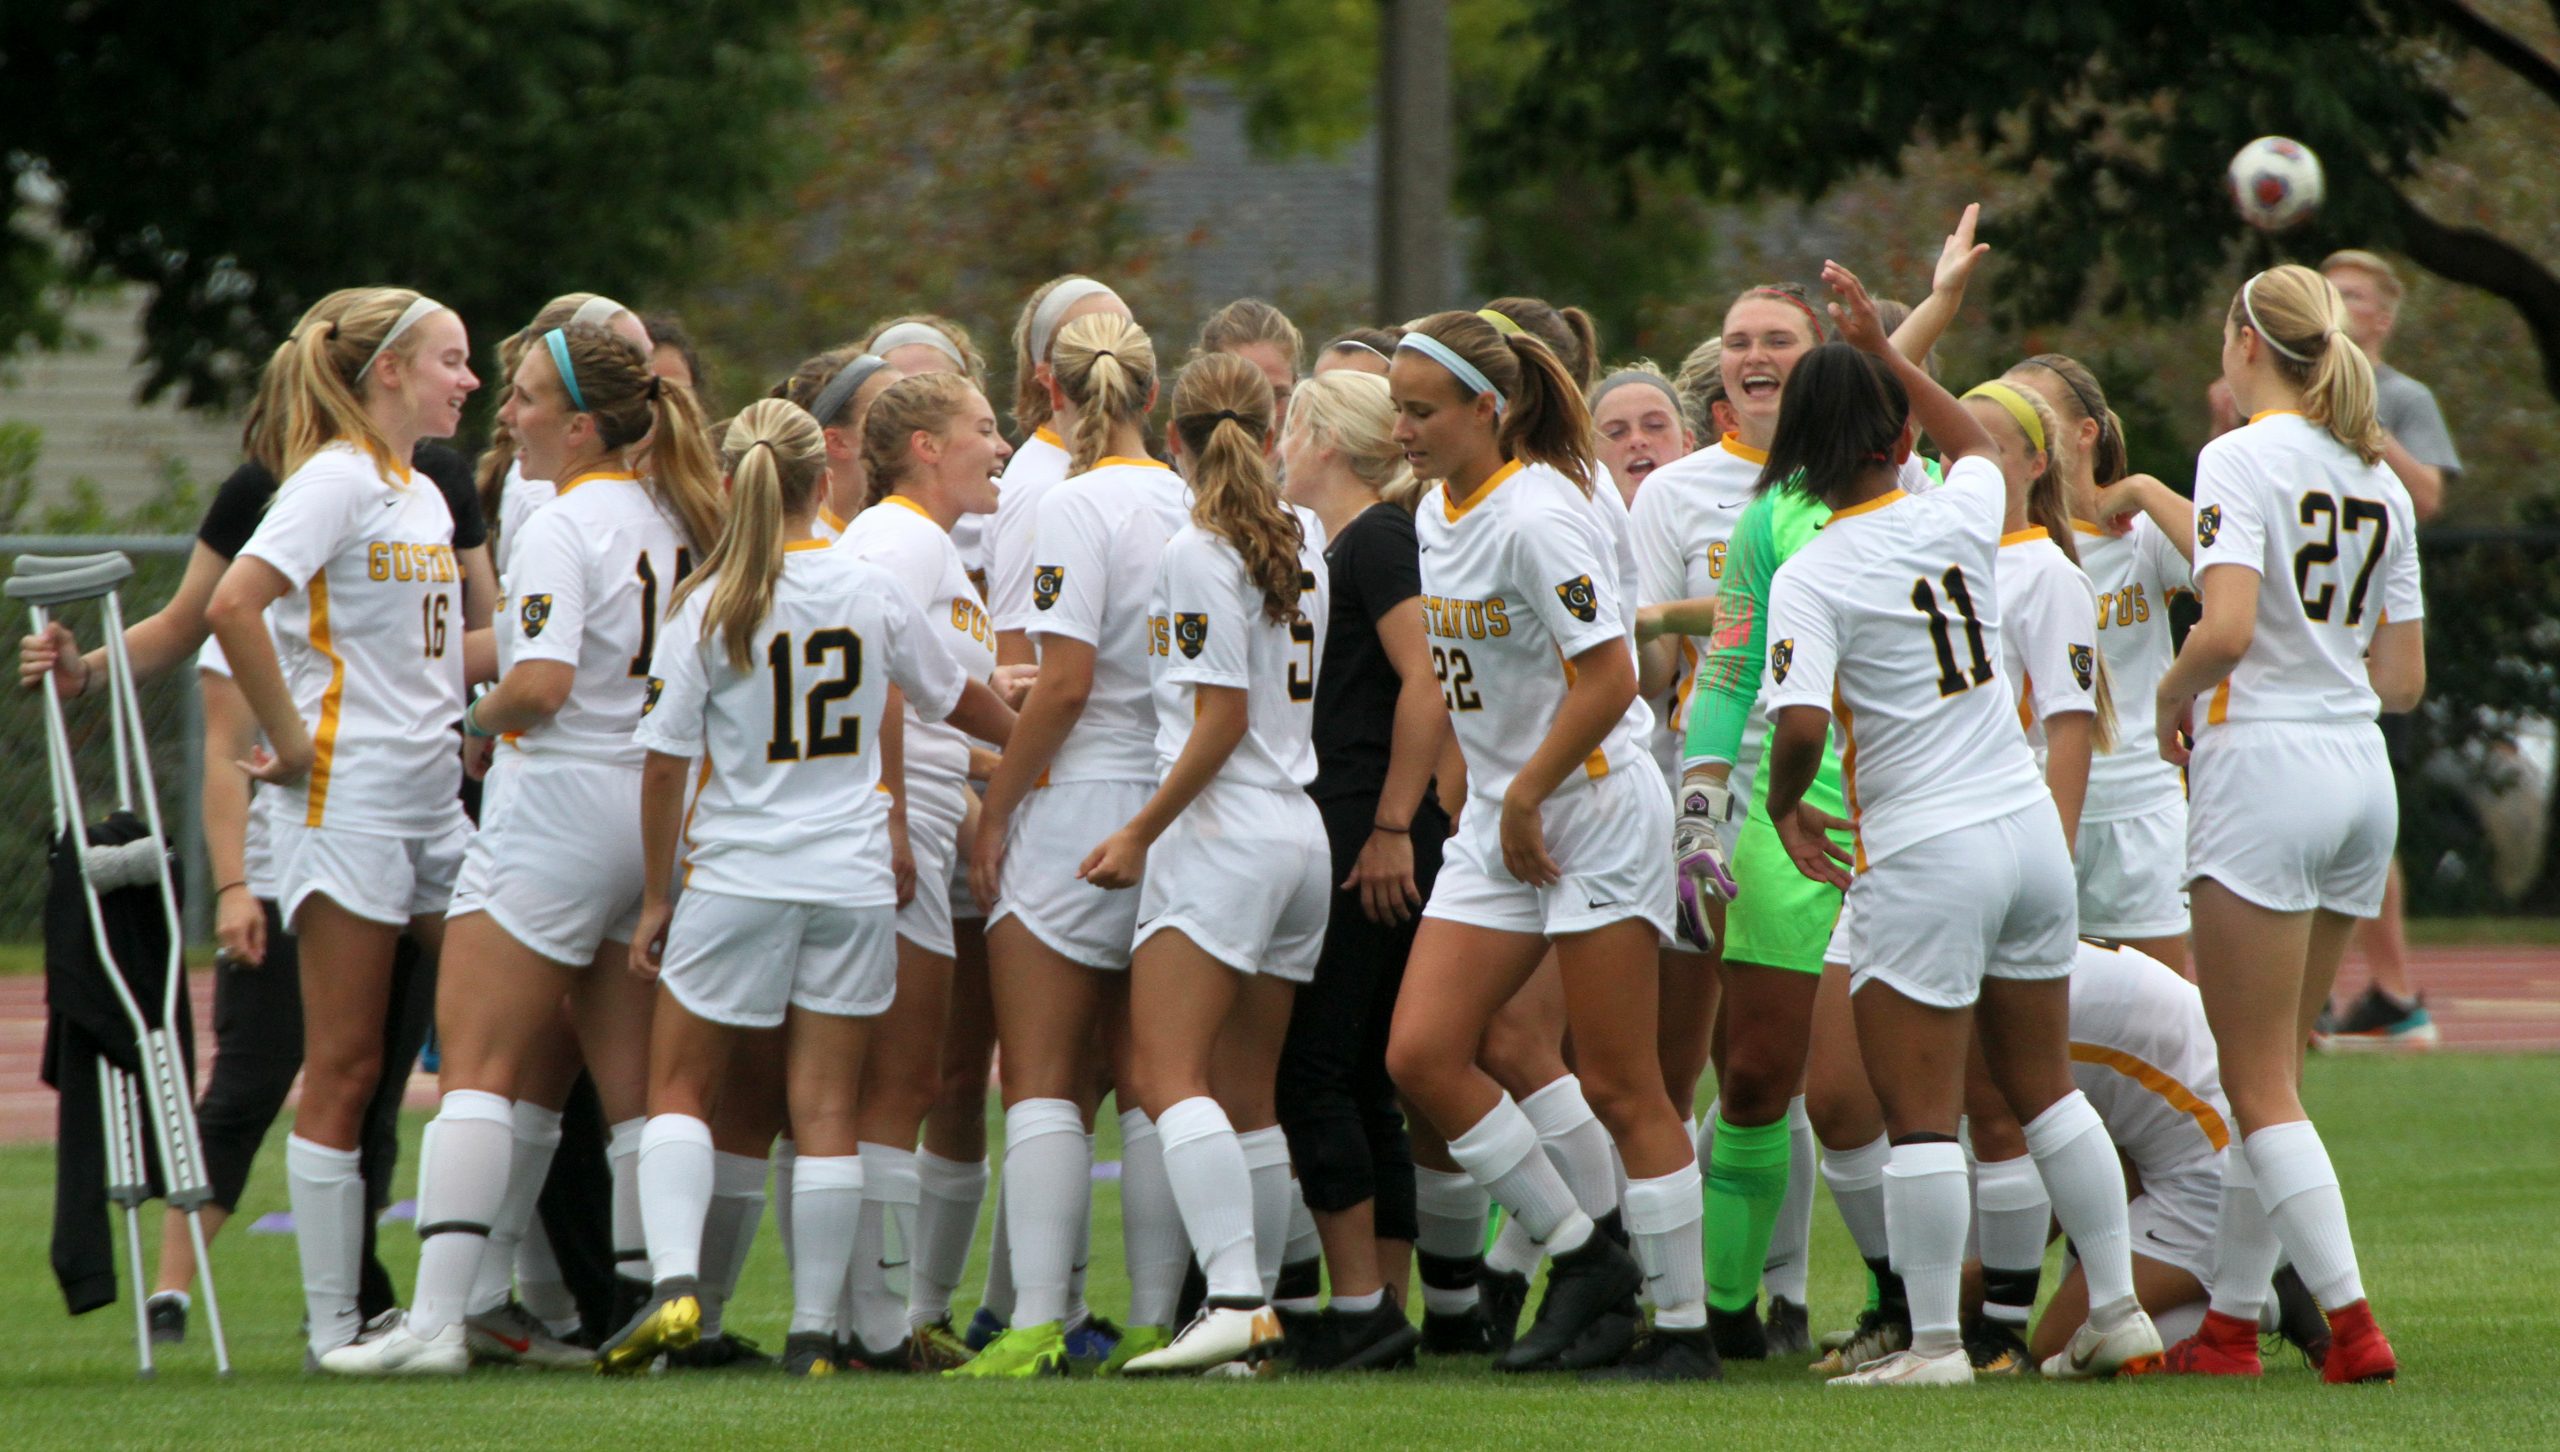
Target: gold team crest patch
1190 632
2208 524
1046 581
535 611
2084 665
649 702
1580 598
1781 656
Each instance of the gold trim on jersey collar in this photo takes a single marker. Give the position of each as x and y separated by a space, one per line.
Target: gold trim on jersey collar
1493 481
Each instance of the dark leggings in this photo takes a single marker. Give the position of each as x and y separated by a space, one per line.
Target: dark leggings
257 1052
1337 1105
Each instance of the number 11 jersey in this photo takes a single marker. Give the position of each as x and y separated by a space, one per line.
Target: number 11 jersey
588 583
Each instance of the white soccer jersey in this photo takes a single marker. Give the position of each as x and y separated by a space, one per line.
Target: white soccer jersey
1682 519
2334 543
791 807
829 525
1100 535
1515 584
2134 574
969 537
2141 1051
257 835
2048 643
1889 620
371 641
1206 627
1039 466
898 536
588 586
519 500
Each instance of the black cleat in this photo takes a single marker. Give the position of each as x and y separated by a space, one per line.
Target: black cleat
1789 1331
168 1315
1302 1332
1583 1285
2298 1318
727 1351
1666 1355
1996 1349
1457 1333
809 1353
852 1355
1738 1334
1606 1342
1378 1339
1502 1296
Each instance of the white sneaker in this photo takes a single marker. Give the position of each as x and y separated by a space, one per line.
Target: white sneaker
398 1353
513 1336
1910 1368
2130 1349
1218 1334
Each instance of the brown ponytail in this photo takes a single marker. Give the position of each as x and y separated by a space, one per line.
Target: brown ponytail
1222 415
633 407
776 460
2107 460
1543 419
1105 364
2299 315
1568 332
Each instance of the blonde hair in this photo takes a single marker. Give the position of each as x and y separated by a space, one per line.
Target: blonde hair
1222 409
1031 401
2049 509
2107 461
973 364
1353 414
1107 366
776 458
1699 385
2299 315
1246 321
2384 274
632 406
311 394
926 402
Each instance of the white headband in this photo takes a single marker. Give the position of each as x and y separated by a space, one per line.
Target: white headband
1046 317
418 308
909 335
2260 328
1468 375
600 311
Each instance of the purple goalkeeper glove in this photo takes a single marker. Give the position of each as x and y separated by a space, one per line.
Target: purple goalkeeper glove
1699 859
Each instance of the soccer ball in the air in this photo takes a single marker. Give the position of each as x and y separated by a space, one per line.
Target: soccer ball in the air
2275 183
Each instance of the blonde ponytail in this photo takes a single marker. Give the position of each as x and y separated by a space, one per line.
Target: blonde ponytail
776 459
1106 366
310 394
2298 314
1222 414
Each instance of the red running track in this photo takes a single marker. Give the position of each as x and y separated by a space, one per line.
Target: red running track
2493 1000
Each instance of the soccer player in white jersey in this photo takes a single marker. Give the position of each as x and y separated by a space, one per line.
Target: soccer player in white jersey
837 388
775 670
930 343
931 452
1887 622
550 886
1044 459
2133 534
1230 849
1566 837
508 497
2306 556
357 689
1083 761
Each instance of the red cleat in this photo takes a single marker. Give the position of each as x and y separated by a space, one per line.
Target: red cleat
2222 1346
2358 1351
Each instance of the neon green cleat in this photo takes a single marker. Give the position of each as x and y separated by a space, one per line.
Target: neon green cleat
1020 1354
1135 1342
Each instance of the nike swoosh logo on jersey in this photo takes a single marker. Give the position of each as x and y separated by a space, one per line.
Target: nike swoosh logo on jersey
2156 1235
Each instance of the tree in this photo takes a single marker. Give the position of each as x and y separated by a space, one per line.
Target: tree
2121 113
240 159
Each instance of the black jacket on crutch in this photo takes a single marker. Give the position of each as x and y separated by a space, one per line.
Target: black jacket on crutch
84 1023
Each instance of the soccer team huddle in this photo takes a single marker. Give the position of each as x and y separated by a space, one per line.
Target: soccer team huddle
1392 789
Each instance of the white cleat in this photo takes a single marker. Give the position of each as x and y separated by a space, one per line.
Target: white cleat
1219 1334
513 1336
2129 1350
1910 1368
396 1352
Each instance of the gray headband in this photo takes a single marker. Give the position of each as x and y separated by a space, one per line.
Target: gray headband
1645 376
841 388
1046 318
913 335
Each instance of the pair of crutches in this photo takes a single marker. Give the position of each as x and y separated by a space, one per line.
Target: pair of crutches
159 1097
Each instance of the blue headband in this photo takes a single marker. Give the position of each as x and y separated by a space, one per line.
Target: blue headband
1459 368
558 342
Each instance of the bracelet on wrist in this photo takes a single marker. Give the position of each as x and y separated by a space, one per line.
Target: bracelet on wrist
226 887
471 726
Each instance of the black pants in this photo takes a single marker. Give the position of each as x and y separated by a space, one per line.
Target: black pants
257 1036
1337 1105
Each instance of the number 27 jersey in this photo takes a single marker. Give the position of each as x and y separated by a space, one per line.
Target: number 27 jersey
791 807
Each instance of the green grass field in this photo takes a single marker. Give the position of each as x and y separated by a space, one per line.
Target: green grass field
2451 1167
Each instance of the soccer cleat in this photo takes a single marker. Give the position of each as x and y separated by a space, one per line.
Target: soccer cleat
2376 1020
727 1351
984 1327
1910 1368
1502 1296
514 1336
1298 1330
1378 1339
168 1315
1606 1342
1219 1334
2129 1350
936 1347
1996 1348
396 1352
1788 1328
809 1353
852 1355
1583 1285
1134 1342
2222 1346
2298 1317
1457 1333
2358 1351
1738 1335
1875 1337
1090 1344
669 1322
1688 1354
1020 1353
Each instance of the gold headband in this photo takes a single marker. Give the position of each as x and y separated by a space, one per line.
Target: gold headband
2017 406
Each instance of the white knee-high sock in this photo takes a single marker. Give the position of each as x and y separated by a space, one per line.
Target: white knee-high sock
1925 1215
1513 1251
826 1191
1856 1178
1077 1311
2245 1247
1572 1137
1214 1187
1156 1247
326 1187
537 1135
2086 1180
542 1285
999 1297
786 1155
1664 1219
630 1238
729 1232
462 1183
1266 1159
1791 1238
674 1179
888 1191
2299 1189
948 1194
1449 1210
2011 1215
1501 1150
1048 1173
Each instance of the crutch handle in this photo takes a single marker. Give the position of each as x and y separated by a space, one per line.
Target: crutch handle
60 579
